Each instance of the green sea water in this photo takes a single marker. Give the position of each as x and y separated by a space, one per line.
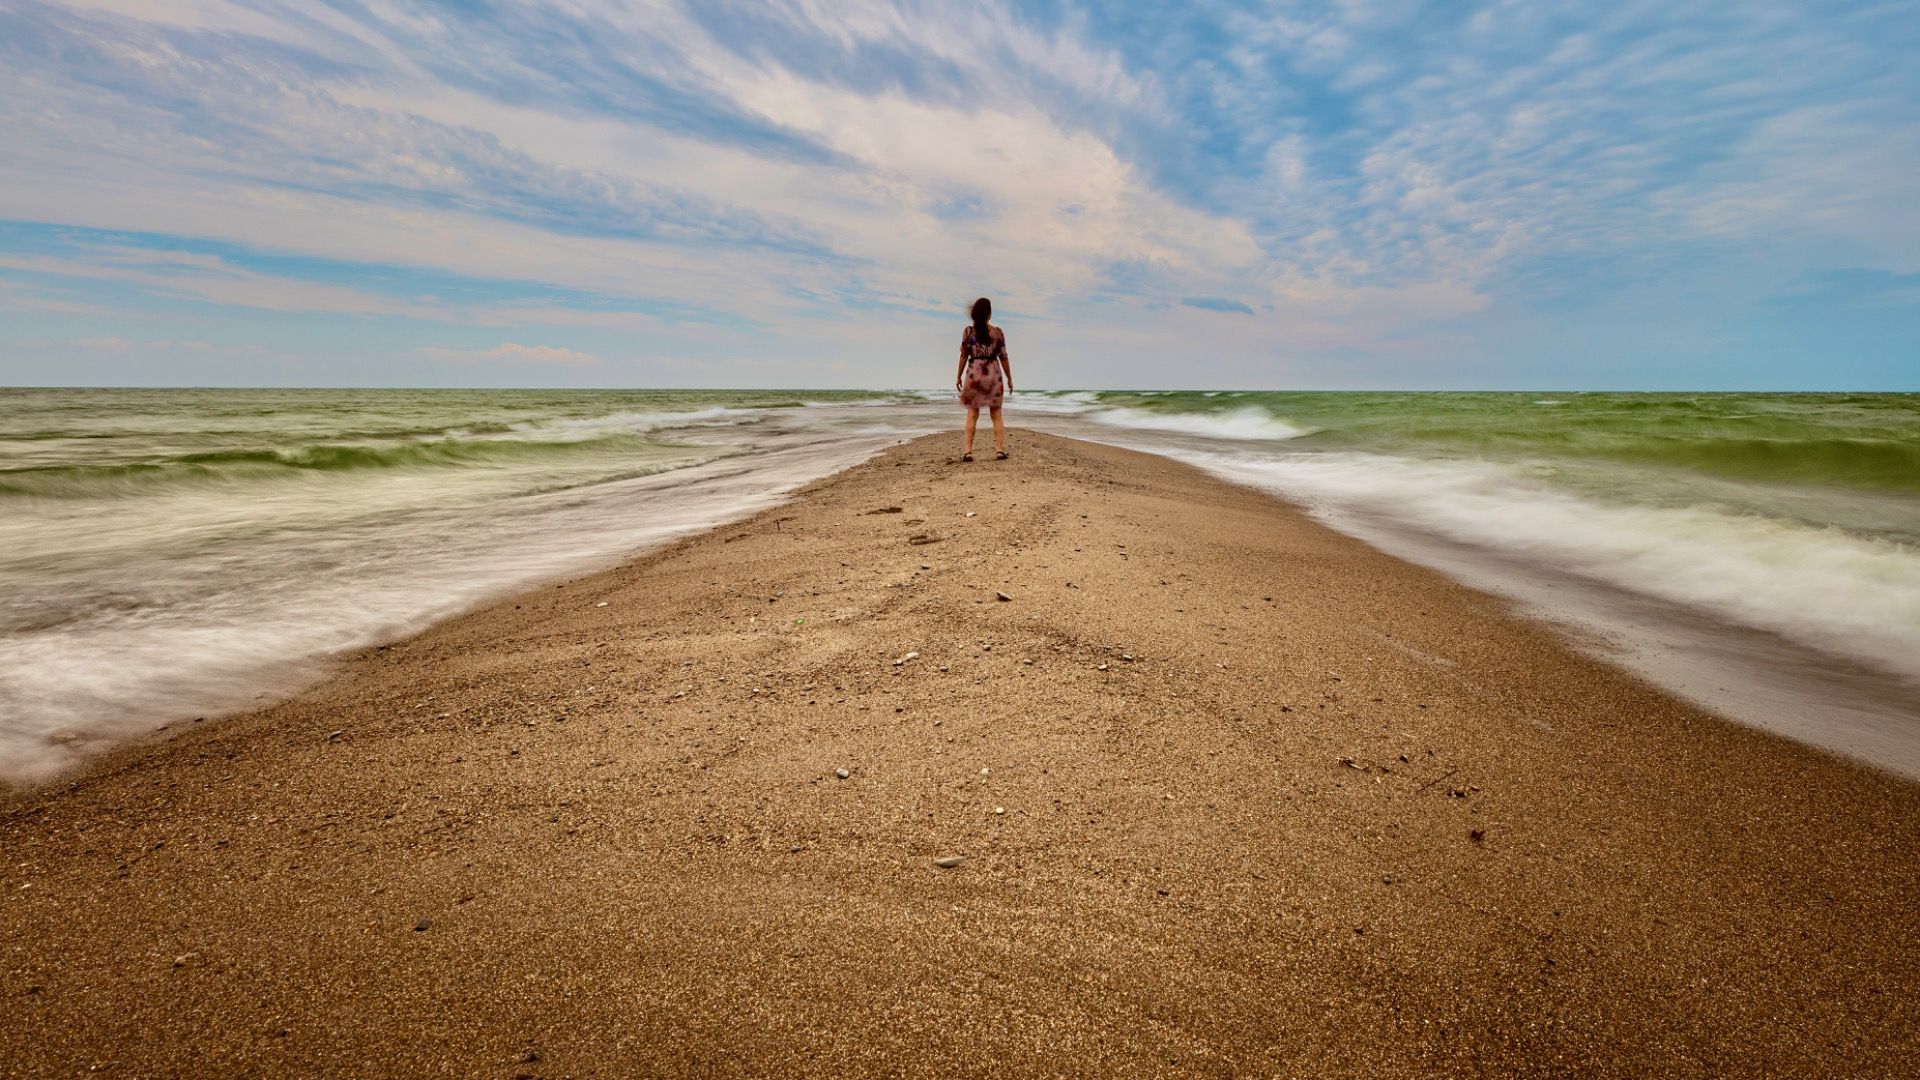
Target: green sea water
88 443
1847 461
1866 442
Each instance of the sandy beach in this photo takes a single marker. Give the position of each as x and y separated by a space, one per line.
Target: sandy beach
1234 794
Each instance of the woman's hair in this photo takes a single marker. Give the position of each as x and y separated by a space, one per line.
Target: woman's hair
982 311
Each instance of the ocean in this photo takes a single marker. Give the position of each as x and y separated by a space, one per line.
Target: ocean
173 554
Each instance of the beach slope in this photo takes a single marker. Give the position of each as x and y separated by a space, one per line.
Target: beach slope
1235 794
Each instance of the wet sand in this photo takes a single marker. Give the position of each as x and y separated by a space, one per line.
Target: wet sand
1235 795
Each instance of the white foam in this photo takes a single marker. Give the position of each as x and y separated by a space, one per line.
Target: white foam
1834 590
1052 402
1251 423
636 422
108 650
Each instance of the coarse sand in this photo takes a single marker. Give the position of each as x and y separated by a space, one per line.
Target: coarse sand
1231 794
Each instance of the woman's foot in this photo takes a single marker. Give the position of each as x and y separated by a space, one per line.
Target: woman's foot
968 456
999 455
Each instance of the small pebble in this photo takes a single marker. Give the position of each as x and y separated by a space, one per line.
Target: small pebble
1002 597
950 861
904 659
422 923
842 773
999 809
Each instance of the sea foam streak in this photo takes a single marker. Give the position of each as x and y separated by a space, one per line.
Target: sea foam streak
1247 423
1856 596
125 607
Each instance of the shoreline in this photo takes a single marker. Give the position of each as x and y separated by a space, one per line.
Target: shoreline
1320 809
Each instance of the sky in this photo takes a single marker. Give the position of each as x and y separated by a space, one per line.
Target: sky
809 193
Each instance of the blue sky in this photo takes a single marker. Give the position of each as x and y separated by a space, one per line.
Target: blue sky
809 192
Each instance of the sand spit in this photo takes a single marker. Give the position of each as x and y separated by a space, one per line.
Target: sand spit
1079 763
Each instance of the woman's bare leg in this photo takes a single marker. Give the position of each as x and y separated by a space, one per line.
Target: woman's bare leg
999 433
973 417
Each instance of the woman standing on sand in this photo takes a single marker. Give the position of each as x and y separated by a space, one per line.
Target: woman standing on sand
985 374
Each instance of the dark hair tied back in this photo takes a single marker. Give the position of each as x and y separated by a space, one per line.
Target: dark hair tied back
982 311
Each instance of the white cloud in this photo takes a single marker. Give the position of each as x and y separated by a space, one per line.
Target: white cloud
1827 173
1355 172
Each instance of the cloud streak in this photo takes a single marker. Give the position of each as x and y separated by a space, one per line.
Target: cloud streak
1216 303
512 353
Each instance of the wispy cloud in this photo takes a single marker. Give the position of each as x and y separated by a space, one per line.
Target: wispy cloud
1356 177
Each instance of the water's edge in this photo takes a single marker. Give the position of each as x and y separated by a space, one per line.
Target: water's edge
155 598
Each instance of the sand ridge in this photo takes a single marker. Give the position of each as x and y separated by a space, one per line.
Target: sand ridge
1235 794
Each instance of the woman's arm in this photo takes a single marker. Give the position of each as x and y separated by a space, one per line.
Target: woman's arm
961 373
1006 363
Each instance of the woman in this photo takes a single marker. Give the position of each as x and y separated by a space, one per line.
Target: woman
985 374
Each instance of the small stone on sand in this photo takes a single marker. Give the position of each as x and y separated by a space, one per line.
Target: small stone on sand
950 861
842 773
1002 597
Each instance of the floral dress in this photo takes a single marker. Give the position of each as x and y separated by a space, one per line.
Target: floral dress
981 385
